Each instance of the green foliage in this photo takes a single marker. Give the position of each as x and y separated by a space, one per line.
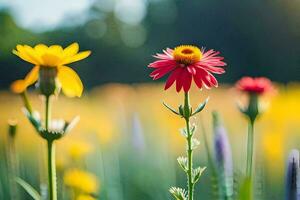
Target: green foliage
178 193
197 173
245 191
28 188
200 107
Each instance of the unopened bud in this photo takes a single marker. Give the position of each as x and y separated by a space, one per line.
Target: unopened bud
12 128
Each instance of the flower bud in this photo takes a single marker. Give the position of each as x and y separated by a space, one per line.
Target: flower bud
12 128
292 176
48 83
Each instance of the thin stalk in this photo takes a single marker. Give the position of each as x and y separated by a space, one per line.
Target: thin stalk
51 155
51 170
189 144
13 168
47 113
26 102
250 141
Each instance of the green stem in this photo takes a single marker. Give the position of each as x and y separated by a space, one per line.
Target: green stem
26 102
51 170
250 141
51 155
47 113
189 149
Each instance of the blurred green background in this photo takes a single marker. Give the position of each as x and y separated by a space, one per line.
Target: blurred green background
259 38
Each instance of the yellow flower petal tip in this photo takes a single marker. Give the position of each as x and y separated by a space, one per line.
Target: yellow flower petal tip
18 86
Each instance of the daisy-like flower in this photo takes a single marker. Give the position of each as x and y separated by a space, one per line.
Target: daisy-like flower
185 63
56 58
258 85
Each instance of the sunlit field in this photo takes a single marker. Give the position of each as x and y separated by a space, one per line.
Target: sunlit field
126 142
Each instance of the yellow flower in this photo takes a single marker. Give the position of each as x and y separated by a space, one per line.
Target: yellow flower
81 180
18 86
55 57
85 197
78 149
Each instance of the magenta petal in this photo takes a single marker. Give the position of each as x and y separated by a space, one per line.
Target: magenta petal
172 78
191 69
162 63
198 81
187 80
213 80
160 72
179 80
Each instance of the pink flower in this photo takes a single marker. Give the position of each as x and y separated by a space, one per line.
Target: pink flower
258 85
185 63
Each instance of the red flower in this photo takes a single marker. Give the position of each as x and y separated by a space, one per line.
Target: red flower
258 85
185 63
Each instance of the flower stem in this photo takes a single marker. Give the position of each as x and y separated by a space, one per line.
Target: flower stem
51 170
26 102
51 155
47 113
189 145
250 141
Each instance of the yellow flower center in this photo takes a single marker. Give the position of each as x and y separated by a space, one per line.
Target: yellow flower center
187 54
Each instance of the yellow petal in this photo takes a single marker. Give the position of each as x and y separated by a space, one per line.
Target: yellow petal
32 76
50 60
40 49
32 54
77 57
21 52
56 50
71 50
70 81
18 86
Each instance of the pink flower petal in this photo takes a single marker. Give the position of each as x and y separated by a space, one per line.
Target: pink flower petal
186 80
172 78
162 63
179 80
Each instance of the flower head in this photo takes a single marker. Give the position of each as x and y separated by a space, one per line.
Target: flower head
258 85
185 63
81 180
53 59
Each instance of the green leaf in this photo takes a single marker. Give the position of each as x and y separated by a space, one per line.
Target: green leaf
183 162
184 132
181 110
195 143
193 129
178 193
28 188
34 119
197 173
171 109
200 107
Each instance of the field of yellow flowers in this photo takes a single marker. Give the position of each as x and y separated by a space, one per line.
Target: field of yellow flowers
126 143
